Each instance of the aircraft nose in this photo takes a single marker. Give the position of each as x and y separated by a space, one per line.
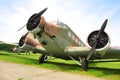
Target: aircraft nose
34 20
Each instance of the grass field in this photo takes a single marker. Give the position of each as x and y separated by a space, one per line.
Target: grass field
109 70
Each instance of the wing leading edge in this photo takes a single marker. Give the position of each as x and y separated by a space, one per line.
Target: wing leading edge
110 53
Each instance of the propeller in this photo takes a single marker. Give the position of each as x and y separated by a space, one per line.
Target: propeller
33 20
39 14
21 28
22 39
97 39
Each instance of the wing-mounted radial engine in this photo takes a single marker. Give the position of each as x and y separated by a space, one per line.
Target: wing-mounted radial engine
99 42
28 42
102 44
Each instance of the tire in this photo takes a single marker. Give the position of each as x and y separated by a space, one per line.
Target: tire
84 64
42 58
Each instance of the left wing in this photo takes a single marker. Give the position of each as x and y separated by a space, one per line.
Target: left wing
7 46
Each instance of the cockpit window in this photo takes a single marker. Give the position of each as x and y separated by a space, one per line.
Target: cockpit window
54 22
61 24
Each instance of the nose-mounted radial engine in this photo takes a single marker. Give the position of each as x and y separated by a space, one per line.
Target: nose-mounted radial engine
36 22
98 41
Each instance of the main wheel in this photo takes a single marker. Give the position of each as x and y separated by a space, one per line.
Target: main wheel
84 64
42 59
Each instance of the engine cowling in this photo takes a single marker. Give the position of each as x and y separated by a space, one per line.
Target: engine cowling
36 22
36 25
30 43
102 44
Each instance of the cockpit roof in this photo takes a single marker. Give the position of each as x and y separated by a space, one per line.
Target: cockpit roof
61 24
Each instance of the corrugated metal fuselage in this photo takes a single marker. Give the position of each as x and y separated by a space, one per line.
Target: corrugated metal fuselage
55 45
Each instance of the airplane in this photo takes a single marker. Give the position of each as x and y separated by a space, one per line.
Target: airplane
58 40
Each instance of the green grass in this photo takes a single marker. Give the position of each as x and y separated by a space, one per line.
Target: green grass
109 70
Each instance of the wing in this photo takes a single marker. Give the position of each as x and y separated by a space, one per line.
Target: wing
77 51
7 46
112 53
108 53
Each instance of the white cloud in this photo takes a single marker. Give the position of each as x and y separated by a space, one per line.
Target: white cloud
82 16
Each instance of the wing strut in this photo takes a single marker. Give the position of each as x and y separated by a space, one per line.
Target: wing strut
75 60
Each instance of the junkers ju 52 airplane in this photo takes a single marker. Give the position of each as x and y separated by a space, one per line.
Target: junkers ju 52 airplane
58 40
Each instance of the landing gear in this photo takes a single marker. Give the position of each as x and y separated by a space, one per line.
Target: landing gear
84 64
42 59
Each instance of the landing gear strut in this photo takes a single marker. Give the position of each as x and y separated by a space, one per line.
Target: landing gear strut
42 59
84 64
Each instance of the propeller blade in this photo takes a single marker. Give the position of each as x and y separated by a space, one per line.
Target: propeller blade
26 34
97 39
21 28
91 51
39 14
22 39
103 27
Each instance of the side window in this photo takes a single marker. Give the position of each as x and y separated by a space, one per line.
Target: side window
73 37
79 43
69 34
76 40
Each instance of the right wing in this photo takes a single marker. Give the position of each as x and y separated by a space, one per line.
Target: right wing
112 53
77 51
108 53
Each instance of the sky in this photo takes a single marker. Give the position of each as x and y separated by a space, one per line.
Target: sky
83 16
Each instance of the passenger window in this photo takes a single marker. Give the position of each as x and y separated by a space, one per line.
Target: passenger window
69 34
73 37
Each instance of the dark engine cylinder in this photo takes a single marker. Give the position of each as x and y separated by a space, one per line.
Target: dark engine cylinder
102 40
